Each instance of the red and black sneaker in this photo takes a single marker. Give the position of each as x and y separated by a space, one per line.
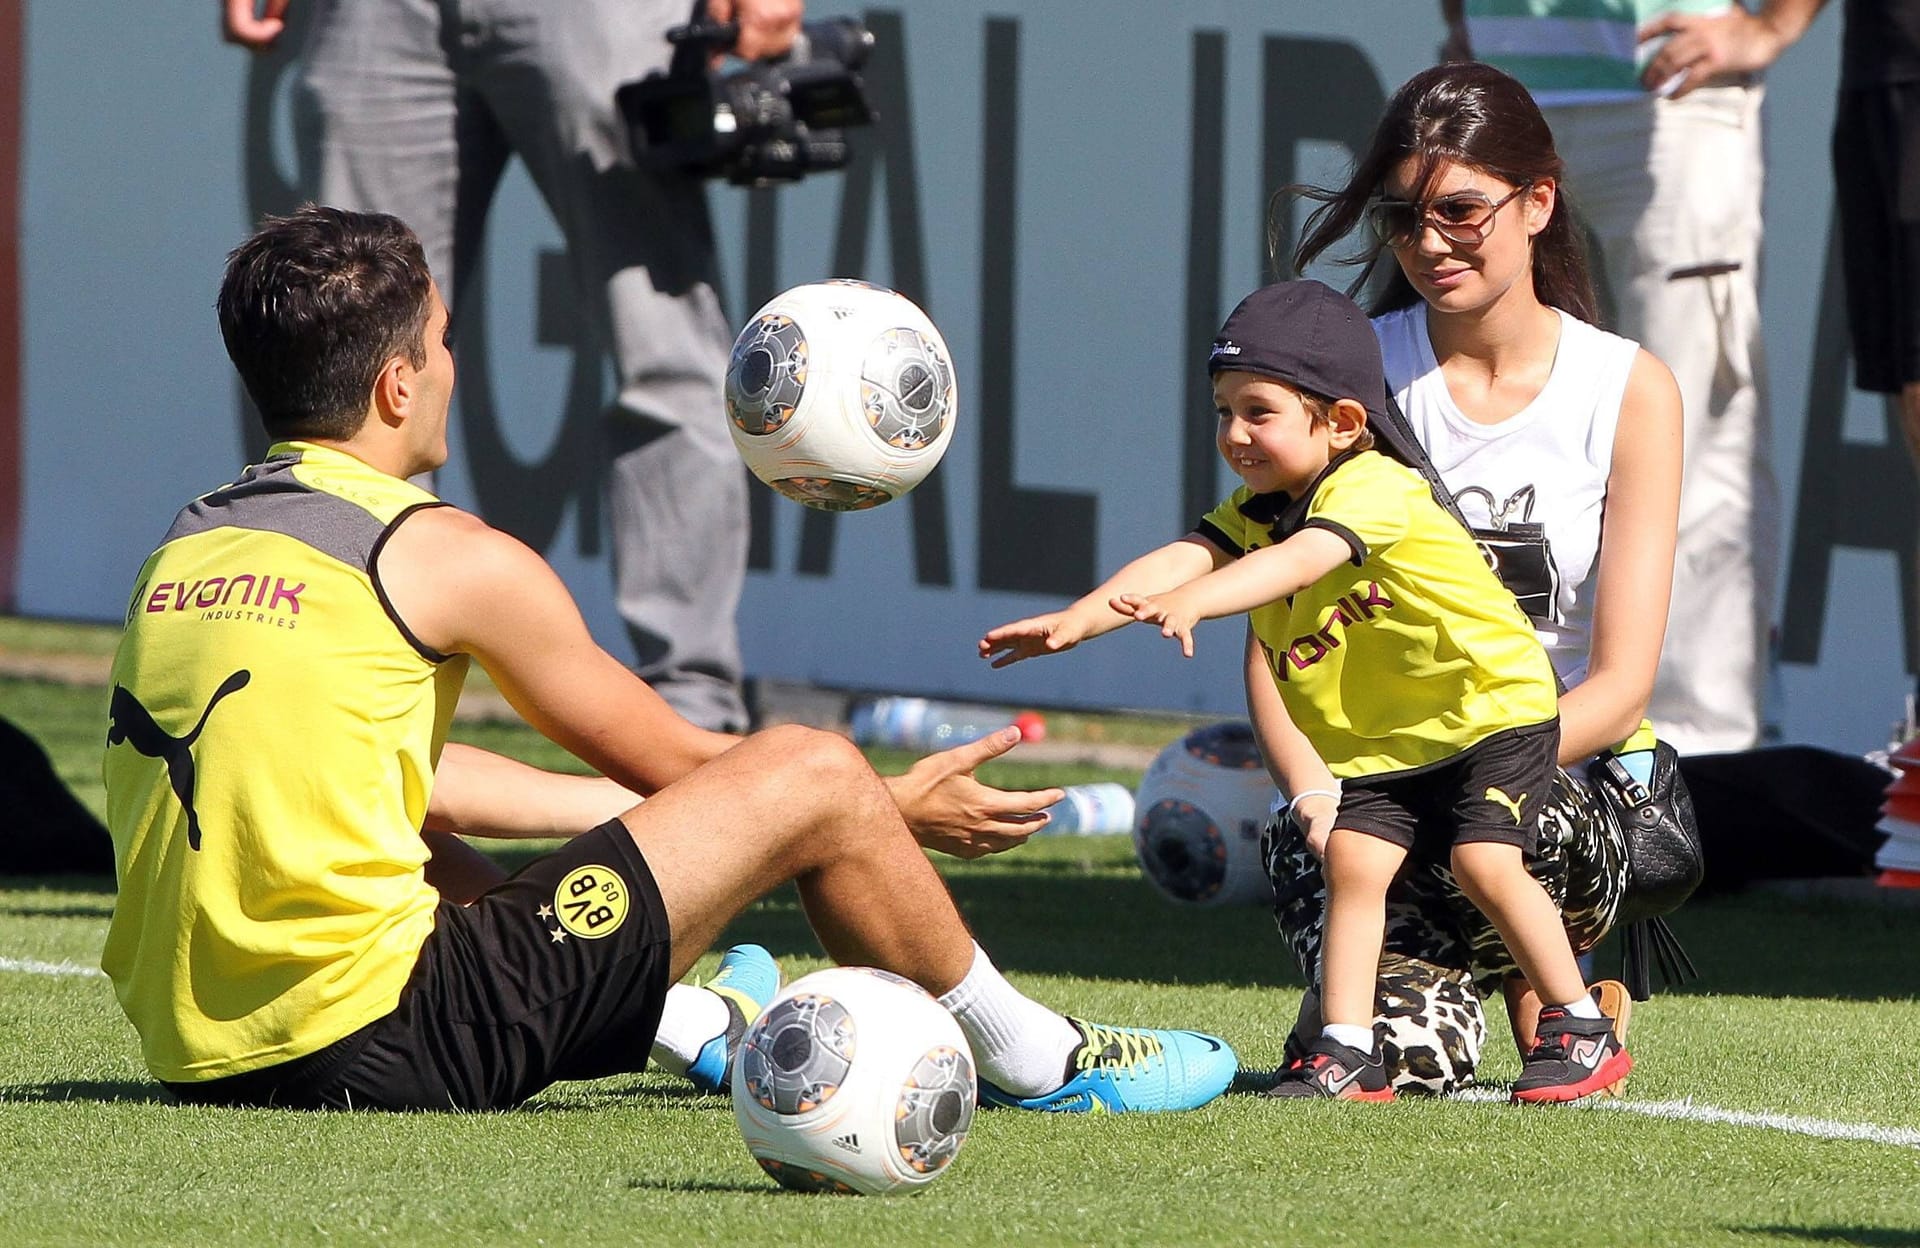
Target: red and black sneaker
1572 1058
1335 1070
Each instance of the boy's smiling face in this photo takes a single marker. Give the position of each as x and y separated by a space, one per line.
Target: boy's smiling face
1267 435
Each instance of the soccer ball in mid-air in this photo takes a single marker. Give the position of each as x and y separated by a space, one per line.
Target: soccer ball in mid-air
841 395
1198 815
856 1081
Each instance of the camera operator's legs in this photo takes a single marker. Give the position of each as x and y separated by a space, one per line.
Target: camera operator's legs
396 127
640 249
389 126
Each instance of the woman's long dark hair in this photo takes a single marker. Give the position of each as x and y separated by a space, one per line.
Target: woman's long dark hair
1469 114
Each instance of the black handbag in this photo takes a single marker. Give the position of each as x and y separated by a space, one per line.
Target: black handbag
1665 862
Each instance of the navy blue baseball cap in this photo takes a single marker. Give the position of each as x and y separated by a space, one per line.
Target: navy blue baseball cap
1308 335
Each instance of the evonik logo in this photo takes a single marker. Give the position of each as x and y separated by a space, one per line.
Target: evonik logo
1348 610
262 598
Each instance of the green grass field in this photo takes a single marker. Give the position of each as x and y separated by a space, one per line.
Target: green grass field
1775 1101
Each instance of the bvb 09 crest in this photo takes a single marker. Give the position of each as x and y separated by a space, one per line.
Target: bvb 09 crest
590 902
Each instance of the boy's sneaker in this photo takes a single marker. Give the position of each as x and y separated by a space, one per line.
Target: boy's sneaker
747 979
1573 1057
1334 1070
1132 1070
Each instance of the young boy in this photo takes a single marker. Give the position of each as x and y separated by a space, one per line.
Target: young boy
1415 710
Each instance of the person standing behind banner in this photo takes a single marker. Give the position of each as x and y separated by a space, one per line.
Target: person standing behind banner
417 112
1655 107
1876 167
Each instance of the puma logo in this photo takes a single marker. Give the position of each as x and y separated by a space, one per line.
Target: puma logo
1501 799
130 722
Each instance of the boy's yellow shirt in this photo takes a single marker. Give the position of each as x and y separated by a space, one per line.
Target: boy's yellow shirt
1408 654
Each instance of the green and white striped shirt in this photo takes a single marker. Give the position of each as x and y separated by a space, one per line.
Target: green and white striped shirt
1571 51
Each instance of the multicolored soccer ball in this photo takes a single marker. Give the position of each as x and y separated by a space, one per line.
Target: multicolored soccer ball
854 1081
1198 815
841 395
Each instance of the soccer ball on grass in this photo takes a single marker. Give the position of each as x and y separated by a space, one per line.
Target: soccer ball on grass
840 395
853 1080
1198 815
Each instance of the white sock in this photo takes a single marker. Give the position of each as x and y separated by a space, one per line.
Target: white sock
1583 1006
691 1017
1352 1035
1021 1046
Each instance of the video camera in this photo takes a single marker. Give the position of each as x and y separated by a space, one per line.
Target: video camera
767 121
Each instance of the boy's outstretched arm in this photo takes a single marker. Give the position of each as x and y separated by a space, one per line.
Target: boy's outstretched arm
1253 580
1170 566
1296 769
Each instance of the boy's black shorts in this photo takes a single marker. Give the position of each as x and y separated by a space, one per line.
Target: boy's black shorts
1491 791
558 973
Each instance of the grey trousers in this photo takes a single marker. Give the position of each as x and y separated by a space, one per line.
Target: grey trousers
413 107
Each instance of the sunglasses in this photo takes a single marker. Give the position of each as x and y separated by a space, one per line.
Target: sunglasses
1465 217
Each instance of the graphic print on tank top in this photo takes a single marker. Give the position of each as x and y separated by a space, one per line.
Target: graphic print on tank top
1516 548
132 723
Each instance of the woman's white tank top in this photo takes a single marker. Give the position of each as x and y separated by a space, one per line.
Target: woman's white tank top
1546 464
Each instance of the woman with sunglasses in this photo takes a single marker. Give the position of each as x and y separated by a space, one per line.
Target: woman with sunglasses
1549 431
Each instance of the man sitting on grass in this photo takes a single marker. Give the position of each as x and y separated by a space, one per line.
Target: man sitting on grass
276 779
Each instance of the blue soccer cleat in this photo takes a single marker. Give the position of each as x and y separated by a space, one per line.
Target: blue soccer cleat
747 979
1132 1070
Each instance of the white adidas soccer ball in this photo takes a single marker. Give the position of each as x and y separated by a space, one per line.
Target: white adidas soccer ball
854 1080
841 395
1198 815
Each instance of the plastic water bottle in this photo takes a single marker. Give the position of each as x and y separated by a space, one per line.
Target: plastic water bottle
923 724
1092 810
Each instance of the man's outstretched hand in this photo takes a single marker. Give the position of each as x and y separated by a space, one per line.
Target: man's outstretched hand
954 813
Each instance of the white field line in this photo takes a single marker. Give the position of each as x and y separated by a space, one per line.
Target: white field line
31 966
1684 1111
1687 1111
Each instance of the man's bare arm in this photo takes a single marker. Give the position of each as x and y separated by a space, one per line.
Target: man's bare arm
464 587
479 793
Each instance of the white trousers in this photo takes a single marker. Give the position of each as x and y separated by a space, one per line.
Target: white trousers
1671 191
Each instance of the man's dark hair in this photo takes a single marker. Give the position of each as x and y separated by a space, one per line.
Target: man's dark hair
313 306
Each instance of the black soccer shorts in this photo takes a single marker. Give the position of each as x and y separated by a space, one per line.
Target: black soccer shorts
558 973
1492 791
